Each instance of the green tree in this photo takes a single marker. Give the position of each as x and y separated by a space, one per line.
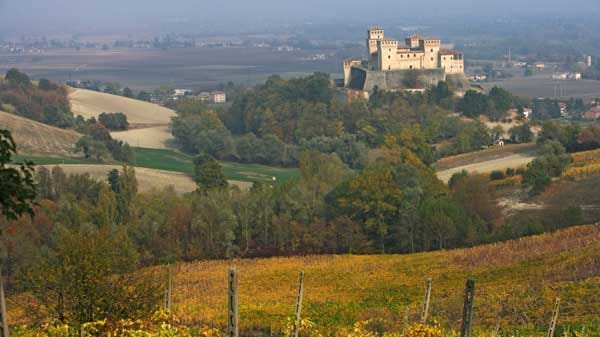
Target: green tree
473 104
208 173
521 134
88 276
17 187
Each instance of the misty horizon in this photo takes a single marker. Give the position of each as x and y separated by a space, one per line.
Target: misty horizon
35 16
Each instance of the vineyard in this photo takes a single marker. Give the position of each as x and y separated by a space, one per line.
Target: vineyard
517 283
585 164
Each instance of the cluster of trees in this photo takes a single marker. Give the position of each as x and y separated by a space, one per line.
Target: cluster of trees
98 144
46 102
554 142
114 121
494 104
275 122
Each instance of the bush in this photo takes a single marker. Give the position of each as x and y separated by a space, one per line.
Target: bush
497 175
114 121
510 172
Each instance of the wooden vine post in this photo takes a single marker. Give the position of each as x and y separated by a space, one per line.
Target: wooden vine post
405 325
468 308
169 290
232 305
425 311
298 319
554 318
4 318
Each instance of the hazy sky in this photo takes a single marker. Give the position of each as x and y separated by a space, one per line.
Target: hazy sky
19 15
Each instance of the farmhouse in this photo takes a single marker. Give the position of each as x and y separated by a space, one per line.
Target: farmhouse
391 65
593 113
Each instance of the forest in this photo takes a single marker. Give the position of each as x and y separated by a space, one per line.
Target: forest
275 122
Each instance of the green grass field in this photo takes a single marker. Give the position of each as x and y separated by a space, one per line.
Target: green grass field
169 160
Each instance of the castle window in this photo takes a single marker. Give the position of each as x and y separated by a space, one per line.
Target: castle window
432 50
410 67
432 59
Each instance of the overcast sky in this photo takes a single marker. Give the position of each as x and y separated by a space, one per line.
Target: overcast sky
19 15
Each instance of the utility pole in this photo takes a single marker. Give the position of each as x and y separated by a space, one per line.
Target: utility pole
554 318
4 318
425 311
468 308
297 322
232 304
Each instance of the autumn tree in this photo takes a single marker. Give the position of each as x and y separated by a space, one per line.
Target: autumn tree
17 188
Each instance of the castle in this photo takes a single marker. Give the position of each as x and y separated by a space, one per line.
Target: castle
390 65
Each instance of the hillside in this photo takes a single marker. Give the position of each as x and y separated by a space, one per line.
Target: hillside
486 161
92 103
516 280
34 138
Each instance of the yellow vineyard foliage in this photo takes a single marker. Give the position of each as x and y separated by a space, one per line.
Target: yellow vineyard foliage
582 171
586 158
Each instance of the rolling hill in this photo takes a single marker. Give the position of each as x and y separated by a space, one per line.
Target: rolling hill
34 138
516 285
92 103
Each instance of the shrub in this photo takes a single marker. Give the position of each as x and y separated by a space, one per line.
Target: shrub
510 172
497 175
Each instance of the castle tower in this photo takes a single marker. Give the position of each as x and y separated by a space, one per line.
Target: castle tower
374 35
413 41
431 48
387 52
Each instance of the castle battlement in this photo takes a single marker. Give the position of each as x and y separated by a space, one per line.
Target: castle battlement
416 53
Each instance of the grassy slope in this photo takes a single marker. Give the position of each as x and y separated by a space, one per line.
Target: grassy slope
37 138
91 104
517 281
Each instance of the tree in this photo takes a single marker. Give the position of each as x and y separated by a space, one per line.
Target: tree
17 187
473 104
92 149
521 134
17 78
88 276
114 121
208 173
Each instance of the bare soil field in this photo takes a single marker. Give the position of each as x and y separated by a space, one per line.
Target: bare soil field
35 138
492 153
153 138
510 161
545 86
89 103
193 68
148 179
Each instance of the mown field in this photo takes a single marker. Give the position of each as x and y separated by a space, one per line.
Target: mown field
516 285
169 160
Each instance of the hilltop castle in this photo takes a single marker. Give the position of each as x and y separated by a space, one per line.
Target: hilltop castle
391 65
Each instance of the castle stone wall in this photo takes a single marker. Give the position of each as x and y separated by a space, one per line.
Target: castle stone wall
362 79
